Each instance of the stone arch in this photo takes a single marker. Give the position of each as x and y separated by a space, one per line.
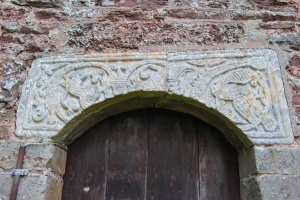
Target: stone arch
239 92
137 100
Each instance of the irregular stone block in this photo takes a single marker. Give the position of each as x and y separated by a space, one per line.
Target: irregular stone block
11 74
6 181
33 186
280 160
247 163
277 25
243 87
273 5
270 187
8 155
250 189
149 4
42 187
145 33
43 157
4 132
287 41
38 157
203 3
270 160
39 3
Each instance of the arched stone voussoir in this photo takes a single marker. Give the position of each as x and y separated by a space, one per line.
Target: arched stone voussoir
242 89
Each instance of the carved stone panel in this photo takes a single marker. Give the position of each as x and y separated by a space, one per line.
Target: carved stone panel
244 86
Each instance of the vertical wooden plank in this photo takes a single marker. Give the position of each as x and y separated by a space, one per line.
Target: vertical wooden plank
127 160
172 156
86 164
110 160
219 175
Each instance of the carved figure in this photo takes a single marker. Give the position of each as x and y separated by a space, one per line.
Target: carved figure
244 97
148 76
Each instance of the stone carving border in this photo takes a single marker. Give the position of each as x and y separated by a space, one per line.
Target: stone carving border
244 86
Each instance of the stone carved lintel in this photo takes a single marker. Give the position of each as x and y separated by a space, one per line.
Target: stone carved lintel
244 86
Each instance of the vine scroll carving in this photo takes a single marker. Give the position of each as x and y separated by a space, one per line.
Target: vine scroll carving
244 86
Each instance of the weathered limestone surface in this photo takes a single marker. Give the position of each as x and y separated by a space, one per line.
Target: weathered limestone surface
8 155
38 157
243 86
270 160
44 187
45 157
6 181
271 187
278 160
46 166
250 189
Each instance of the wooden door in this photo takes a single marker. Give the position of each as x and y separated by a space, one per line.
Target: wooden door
151 154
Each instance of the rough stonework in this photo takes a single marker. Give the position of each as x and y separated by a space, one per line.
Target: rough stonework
68 64
97 37
39 3
244 86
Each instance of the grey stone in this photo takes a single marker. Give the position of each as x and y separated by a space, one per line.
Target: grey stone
278 160
6 181
46 165
247 164
270 160
39 3
244 88
43 157
250 190
107 3
38 157
42 187
271 187
279 187
45 186
8 155
291 40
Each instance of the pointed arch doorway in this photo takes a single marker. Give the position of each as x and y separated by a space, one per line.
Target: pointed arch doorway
151 154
